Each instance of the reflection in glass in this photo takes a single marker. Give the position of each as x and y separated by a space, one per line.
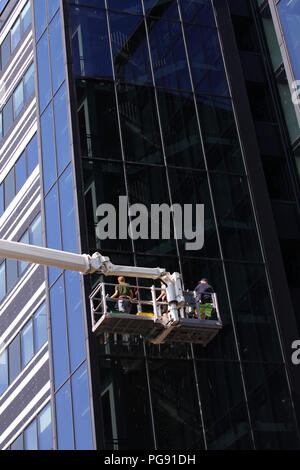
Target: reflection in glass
67 212
14 361
15 34
35 231
75 319
30 437
40 17
130 6
11 272
32 154
40 327
81 409
289 11
43 71
64 418
48 148
29 87
162 8
56 51
45 429
26 17
27 343
5 50
52 219
21 172
3 366
197 11
7 115
61 129
23 264
9 187
18 99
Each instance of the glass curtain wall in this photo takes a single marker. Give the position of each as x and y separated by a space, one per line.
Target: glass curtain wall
156 124
70 396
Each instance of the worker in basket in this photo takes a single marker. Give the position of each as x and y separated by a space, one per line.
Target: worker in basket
203 292
124 294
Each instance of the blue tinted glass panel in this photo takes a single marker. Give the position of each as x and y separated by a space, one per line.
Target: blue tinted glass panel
27 343
40 14
289 11
2 281
3 368
45 429
52 219
9 187
90 40
5 50
168 54
29 82
56 50
14 359
68 226
53 5
59 333
197 11
64 418
32 154
30 437
75 321
15 34
23 264
11 272
81 408
18 99
61 129
206 60
43 71
21 172
18 443
130 48
162 8
26 17
1 132
1 200
131 6
7 114
35 232
40 327
48 148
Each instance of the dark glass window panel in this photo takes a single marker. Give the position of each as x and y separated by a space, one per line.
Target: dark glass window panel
98 120
30 437
224 406
56 52
90 40
89 3
3 366
139 123
15 34
14 358
162 8
81 410
245 33
127 379
235 217
52 219
45 429
18 99
29 87
40 327
18 443
40 17
61 129
180 129
9 187
7 115
104 183
197 11
32 154
271 407
253 312
191 187
21 175
1 199
48 148
67 213
23 264
147 185
206 60
59 333
26 17
65 439
11 272
27 343
260 102
221 141
43 71
130 49
5 50
75 320
277 178
175 405
168 54
2 281
130 6
52 5
35 232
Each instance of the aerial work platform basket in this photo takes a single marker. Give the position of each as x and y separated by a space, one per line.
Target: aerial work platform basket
145 316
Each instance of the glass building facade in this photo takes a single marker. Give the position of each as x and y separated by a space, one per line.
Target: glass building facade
143 98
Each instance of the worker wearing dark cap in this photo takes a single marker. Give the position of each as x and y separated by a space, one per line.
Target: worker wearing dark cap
203 290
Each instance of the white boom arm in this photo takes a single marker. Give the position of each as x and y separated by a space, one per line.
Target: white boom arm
87 264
